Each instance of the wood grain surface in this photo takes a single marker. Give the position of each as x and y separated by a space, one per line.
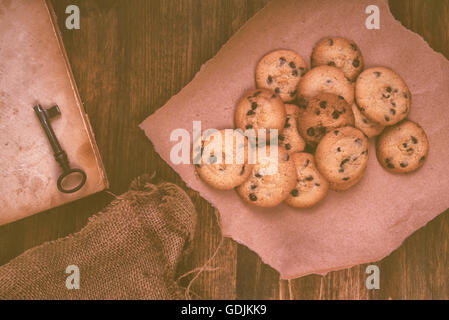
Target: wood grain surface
129 58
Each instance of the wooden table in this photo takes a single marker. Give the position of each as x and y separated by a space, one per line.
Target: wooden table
128 60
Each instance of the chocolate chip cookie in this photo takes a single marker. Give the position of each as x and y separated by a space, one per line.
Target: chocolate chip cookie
290 138
382 96
323 113
402 148
311 187
326 79
342 157
222 161
341 53
280 71
271 180
260 109
364 124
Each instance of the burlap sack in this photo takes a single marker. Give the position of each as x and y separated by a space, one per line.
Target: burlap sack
128 251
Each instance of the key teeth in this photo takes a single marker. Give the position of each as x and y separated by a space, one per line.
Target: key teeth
53 112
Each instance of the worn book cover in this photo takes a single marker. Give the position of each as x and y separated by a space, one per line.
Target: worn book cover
34 70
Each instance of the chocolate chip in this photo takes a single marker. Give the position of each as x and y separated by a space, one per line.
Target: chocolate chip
341 98
248 126
335 115
253 187
273 96
252 197
270 80
250 113
344 161
254 105
293 93
393 104
288 146
405 145
389 164
422 159
311 132
317 112
404 164
243 170
307 163
292 65
377 74
388 89
277 90
257 93
356 63
365 121
323 104
392 111
322 130
287 158
405 95
287 125
282 61
303 103
387 118
365 152
309 178
317 184
331 42
329 81
258 175
338 149
281 137
336 132
331 64
295 73
414 140
409 150
386 96
294 193
346 178
353 46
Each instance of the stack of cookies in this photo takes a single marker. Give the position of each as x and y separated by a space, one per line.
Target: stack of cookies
323 119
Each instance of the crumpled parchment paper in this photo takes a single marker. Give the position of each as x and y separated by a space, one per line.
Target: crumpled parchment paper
363 224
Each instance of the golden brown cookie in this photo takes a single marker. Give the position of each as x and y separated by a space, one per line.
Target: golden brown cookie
342 157
323 113
271 180
223 161
280 71
290 138
402 148
311 187
326 79
341 53
382 96
260 109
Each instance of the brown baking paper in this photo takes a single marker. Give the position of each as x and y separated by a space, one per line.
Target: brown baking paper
363 224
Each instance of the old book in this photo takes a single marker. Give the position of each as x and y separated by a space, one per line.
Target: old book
34 69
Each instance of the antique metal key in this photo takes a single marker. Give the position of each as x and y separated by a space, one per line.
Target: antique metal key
60 155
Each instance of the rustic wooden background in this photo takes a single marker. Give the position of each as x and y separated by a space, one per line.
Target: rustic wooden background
129 58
